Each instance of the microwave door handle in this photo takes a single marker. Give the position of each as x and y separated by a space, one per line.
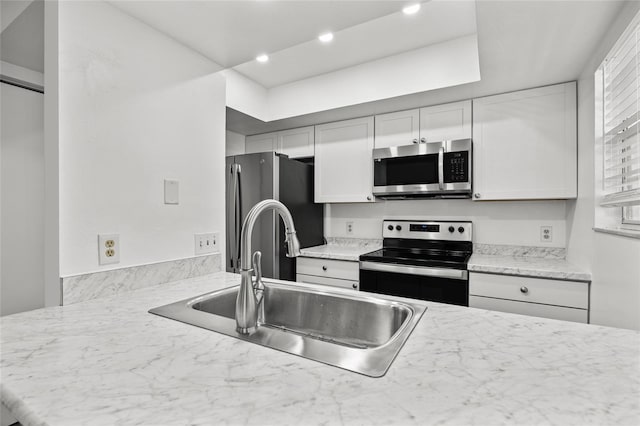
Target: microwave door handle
441 168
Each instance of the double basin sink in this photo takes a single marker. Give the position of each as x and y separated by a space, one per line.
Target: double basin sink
357 331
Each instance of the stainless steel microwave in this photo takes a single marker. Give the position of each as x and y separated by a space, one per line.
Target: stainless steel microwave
434 169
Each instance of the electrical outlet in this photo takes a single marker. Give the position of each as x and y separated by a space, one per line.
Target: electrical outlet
207 243
108 249
546 234
349 228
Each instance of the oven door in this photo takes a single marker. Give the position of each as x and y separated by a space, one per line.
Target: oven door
434 284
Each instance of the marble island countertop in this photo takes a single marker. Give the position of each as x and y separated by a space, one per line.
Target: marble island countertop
107 361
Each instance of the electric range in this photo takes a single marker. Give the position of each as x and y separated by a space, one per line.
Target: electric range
424 260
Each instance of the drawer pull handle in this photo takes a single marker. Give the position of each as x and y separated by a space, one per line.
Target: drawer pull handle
324 268
524 290
354 286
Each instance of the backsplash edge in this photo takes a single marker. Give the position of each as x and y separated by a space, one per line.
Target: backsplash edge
94 285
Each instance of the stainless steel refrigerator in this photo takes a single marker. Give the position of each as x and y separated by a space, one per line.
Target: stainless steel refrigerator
255 177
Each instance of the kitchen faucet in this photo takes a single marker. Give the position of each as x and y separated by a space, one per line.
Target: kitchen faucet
247 302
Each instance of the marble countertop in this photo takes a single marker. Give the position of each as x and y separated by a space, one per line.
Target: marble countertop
527 266
531 266
342 249
107 361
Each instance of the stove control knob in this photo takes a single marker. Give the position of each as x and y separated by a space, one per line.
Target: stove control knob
390 227
398 228
461 229
451 229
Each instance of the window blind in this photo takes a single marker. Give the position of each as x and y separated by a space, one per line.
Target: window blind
621 119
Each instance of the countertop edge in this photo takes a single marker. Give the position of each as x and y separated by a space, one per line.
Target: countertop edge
531 273
19 409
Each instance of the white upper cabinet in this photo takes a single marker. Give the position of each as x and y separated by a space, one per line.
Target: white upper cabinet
445 122
429 124
344 162
397 128
296 143
261 143
525 144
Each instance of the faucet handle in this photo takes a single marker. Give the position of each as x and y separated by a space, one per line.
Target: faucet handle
257 267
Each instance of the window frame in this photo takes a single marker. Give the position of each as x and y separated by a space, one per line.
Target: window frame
612 215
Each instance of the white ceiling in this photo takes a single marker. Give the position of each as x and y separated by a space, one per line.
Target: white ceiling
437 21
22 40
521 44
11 9
233 32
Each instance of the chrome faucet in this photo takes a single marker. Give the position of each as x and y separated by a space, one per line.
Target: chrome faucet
247 302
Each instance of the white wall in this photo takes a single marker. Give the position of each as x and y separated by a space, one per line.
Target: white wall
52 290
614 261
135 108
445 64
22 225
244 94
508 222
235 143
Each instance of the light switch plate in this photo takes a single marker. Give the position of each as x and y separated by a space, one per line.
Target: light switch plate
206 243
108 249
171 191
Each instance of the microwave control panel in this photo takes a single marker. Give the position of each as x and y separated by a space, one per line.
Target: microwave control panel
456 167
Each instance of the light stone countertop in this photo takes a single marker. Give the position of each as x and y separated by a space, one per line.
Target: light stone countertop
540 267
342 249
527 266
107 361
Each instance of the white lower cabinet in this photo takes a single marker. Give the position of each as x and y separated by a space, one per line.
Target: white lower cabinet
336 273
556 299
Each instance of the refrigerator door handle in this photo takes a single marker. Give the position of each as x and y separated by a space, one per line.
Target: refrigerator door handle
232 224
237 216
231 210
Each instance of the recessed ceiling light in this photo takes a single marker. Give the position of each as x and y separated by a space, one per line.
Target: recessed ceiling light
326 37
410 10
262 58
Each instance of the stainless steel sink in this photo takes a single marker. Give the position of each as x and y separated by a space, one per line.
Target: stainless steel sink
359 331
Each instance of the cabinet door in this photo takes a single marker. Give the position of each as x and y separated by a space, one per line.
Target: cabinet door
344 162
297 143
525 144
397 128
261 143
445 122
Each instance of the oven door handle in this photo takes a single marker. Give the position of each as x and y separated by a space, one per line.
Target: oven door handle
455 274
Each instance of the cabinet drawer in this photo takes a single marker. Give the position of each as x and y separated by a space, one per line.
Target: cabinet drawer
334 282
532 309
342 269
572 294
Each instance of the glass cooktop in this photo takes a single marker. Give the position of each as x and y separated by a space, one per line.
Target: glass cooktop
419 257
